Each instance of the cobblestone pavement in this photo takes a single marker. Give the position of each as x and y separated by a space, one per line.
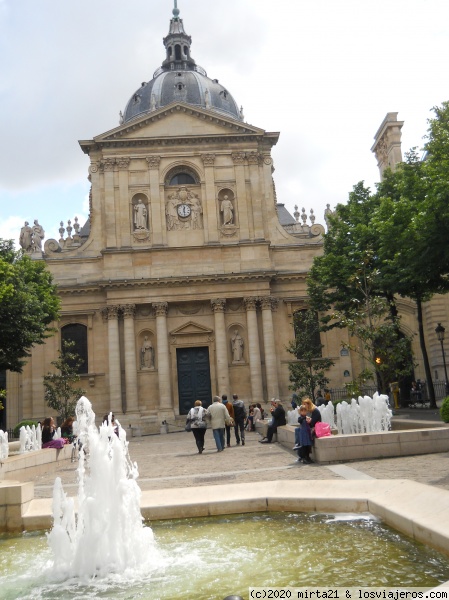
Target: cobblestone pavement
172 461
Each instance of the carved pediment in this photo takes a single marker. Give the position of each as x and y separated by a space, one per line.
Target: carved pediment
191 328
184 119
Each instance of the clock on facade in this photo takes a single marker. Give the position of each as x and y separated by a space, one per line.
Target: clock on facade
184 210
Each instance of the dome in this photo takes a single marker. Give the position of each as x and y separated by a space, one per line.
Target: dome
180 79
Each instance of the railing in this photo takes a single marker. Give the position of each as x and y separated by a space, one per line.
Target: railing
338 394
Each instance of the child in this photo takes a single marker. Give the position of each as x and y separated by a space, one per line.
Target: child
305 436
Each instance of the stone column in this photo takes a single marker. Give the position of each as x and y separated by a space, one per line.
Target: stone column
238 159
111 315
210 203
163 356
109 166
221 346
254 160
157 206
255 365
123 233
132 404
269 304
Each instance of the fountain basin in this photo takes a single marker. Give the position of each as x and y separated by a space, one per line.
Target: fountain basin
417 510
405 439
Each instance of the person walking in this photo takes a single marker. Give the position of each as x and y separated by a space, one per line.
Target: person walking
239 419
224 400
197 415
219 418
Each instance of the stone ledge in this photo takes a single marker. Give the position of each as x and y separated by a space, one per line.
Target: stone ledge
24 466
399 503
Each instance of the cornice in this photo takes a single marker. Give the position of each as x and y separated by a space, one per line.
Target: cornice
175 281
211 139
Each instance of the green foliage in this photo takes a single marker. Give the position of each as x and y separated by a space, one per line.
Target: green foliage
309 373
28 305
60 395
354 388
2 397
23 424
444 410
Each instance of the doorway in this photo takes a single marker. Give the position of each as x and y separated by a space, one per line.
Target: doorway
193 377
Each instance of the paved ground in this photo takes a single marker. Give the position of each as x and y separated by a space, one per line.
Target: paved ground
172 461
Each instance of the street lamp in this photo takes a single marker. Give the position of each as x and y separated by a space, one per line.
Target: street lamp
439 330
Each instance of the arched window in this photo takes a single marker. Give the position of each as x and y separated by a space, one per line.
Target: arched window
177 52
182 175
182 179
76 333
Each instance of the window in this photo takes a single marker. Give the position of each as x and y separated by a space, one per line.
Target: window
182 179
78 334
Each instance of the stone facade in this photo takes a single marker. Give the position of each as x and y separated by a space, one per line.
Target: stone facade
184 278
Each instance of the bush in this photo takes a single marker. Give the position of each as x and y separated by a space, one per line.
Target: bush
23 424
444 410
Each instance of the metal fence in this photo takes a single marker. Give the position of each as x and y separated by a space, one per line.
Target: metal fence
439 386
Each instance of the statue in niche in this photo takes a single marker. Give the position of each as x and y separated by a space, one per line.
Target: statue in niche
38 236
26 237
237 347
228 211
140 215
197 213
147 354
171 213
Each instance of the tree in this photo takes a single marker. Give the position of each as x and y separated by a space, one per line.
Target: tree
60 395
309 373
28 305
347 283
412 223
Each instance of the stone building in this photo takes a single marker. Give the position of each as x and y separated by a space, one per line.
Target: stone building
184 281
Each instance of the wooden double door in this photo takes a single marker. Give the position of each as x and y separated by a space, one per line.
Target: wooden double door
193 377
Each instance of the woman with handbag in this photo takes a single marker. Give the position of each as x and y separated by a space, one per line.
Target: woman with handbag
197 418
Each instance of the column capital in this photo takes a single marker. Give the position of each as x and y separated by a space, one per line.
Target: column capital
108 164
208 160
250 303
254 158
123 162
129 310
269 303
160 309
238 158
153 162
218 305
110 312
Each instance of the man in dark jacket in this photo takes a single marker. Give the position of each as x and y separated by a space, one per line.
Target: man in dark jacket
239 419
278 419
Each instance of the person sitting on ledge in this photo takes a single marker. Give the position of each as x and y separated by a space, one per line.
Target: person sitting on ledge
278 419
48 433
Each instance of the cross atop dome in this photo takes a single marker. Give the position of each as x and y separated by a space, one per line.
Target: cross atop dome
176 10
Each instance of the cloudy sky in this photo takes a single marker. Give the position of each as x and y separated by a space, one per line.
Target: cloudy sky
322 72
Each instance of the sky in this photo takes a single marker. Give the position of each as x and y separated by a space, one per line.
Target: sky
323 73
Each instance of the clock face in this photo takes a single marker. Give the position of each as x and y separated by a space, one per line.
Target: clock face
184 210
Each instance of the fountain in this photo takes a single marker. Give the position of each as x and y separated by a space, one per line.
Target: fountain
31 438
107 534
101 548
4 446
367 415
